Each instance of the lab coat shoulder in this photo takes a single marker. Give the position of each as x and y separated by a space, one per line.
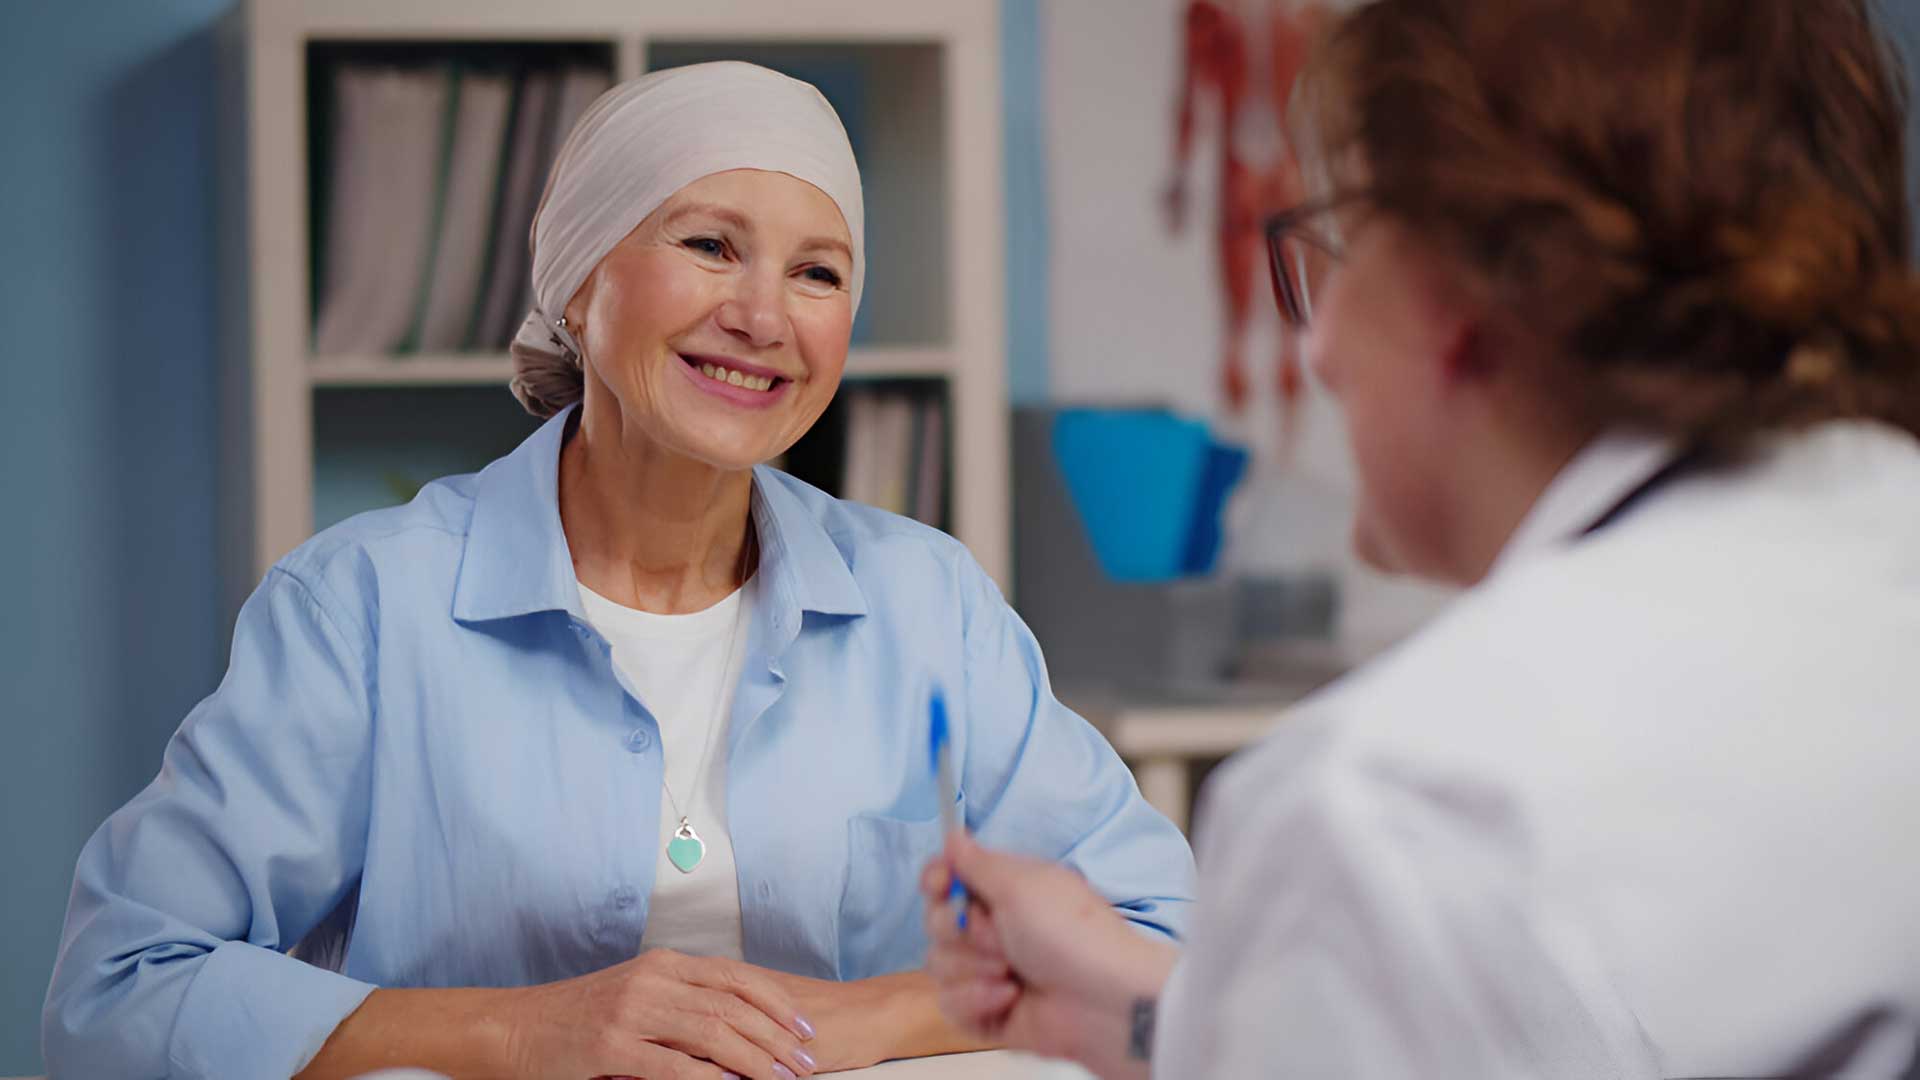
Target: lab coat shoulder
1375 916
1710 702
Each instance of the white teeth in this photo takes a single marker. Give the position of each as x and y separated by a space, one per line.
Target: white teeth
717 373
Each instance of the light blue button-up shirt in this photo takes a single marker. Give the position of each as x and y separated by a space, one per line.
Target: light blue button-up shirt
421 739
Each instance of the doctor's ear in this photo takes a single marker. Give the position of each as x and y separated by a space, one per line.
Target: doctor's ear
1483 347
1471 355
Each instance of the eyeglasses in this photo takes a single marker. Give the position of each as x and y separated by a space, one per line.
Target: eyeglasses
1302 244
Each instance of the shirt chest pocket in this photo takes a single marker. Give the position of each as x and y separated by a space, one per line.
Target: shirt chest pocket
881 911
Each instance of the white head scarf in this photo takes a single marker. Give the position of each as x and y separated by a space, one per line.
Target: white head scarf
636 146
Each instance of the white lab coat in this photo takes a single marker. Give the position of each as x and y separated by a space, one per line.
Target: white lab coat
1645 802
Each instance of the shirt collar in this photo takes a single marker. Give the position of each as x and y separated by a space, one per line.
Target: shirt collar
516 561
800 563
1601 475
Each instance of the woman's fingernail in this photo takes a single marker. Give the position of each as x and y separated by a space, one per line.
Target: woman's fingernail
781 1072
805 1029
806 1061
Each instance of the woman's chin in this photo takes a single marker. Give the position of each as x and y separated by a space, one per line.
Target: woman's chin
721 437
730 455
729 460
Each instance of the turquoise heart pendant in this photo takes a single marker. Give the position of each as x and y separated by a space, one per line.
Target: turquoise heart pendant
686 849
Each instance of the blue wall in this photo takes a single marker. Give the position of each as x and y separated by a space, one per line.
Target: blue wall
1024 97
112 601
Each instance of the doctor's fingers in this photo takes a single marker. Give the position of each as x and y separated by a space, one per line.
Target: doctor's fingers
1025 893
990 874
979 1006
935 879
959 962
982 933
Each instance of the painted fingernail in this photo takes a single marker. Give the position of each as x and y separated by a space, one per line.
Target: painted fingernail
806 1061
805 1029
781 1072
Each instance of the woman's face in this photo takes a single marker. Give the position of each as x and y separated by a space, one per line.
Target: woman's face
1383 327
720 324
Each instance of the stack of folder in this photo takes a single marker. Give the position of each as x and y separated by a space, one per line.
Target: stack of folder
434 173
896 447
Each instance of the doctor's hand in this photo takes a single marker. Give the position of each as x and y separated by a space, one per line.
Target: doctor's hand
1044 965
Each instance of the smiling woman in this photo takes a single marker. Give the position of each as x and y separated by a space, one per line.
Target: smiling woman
722 321
608 759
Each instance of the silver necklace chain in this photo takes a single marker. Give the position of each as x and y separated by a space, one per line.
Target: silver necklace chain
719 696
720 688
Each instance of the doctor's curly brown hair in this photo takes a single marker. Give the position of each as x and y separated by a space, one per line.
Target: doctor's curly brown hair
1701 204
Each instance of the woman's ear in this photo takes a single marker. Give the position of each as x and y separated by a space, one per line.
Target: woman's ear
576 310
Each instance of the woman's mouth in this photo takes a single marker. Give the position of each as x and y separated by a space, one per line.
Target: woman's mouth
736 382
725 371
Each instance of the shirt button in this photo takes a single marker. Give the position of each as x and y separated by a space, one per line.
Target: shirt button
639 741
625 897
765 890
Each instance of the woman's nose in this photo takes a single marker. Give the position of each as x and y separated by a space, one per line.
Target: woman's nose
756 313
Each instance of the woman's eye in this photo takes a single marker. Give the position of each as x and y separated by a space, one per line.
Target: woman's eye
824 275
707 245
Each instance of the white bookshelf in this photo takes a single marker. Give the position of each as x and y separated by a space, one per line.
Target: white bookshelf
929 141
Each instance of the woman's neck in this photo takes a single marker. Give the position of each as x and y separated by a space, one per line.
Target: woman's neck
649 528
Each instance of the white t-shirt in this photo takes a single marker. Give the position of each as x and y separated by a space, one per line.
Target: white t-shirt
673 664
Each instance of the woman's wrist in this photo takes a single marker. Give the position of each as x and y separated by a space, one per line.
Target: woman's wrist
461 1032
867 1021
914 1025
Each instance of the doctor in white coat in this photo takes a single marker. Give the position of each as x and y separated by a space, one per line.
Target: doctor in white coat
1617 298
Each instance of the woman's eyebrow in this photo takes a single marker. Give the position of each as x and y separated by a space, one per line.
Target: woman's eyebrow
736 219
827 243
725 214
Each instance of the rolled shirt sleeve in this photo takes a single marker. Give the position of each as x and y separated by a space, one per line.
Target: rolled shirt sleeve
1041 780
173 959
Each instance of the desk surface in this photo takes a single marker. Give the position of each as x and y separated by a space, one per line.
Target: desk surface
992 1065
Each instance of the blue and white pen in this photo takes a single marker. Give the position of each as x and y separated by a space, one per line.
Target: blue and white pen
940 758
